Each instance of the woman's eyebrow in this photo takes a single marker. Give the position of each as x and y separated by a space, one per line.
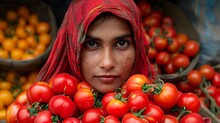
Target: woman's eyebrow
116 38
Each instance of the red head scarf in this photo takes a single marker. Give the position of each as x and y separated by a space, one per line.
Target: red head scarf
64 56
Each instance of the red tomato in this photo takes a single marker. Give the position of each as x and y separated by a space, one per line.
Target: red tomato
44 117
169 68
117 108
131 118
217 99
24 116
93 115
173 46
62 106
84 99
169 31
160 43
191 48
207 71
167 21
192 118
135 82
151 21
194 78
181 61
137 101
107 98
155 31
144 7
84 84
151 53
190 101
64 83
216 79
169 119
182 38
184 86
22 98
162 58
168 96
40 92
111 119
71 120
212 90
153 114
12 110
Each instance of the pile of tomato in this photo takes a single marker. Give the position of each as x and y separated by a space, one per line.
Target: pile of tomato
12 84
23 35
140 100
169 52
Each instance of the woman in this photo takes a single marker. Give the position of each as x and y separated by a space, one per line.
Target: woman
101 42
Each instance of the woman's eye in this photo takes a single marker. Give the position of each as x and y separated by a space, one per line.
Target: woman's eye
122 43
89 43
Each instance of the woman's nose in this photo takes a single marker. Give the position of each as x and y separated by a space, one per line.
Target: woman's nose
107 60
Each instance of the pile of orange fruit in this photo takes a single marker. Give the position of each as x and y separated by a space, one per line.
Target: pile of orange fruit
23 35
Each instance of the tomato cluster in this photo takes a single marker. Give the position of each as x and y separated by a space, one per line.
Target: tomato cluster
170 51
65 99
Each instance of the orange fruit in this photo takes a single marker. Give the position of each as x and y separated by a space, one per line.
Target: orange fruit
5 85
33 19
11 15
8 44
45 39
3 24
30 29
22 44
6 97
21 32
28 56
17 54
31 41
42 27
23 11
40 49
22 21
4 54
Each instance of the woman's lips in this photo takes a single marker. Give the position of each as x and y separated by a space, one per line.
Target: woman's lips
107 78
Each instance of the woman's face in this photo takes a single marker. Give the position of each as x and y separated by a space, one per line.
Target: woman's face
108 54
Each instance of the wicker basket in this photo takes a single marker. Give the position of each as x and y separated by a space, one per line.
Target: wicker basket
182 25
45 14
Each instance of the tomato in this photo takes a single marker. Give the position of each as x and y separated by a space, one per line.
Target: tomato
24 116
117 108
153 114
181 61
192 118
11 114
84 84
111 119
168 96
182 38
151 21
135 82
137 101
22 98
131 118
212 90
157 13
167 21
107 98
64 83
39 92
162 58
191 48
194 78
93 115
155 31
216 79
207 71
184 86
43 117
145 8
71 120
169 119
151 53
160 43
169 68
217 99
84 99
169 31
173 46
190 101
62 106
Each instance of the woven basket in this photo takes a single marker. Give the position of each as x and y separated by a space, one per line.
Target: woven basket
182 25
45 14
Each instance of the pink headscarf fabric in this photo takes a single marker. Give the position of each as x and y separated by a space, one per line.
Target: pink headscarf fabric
65 54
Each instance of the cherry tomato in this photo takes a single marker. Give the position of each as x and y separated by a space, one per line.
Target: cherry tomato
167 21
212 90
216 79
169 31
43 117
181 61
11 114
157 13
182 38
151 53
207 71
169 119
137 101
135 82
71 120
160 43
117 108
62 106
184 86
131 118
111 119
192 118
168 96
155 31
39 92
64 83
151 21
191 48
162 58
217 99
84 99
173 46
194 78
153 114
145 8
93 115
24 116
190 101
169 68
